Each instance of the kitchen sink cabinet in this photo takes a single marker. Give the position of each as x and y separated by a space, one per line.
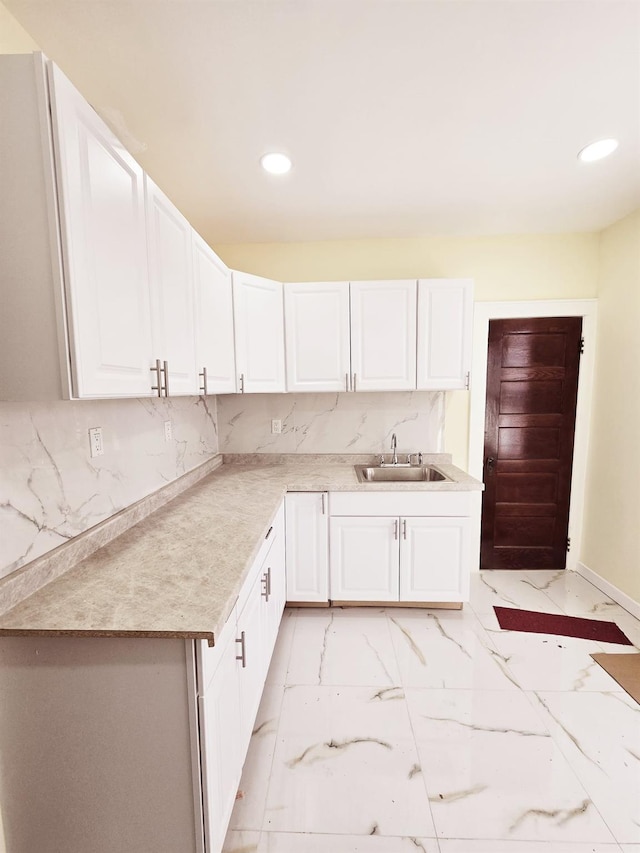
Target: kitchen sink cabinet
434 558
259 333
364 558
307 537
445 317
76 308
172 291
407 547
214 321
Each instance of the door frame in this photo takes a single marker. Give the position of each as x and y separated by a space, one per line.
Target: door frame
482 314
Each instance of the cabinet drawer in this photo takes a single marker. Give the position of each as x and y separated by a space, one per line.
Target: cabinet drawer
400 503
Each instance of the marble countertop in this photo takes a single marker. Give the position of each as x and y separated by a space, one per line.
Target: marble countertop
178 572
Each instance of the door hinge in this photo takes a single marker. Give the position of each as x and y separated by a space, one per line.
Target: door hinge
581 346
568 543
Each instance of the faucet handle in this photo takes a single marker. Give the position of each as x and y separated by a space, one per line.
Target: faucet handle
418 459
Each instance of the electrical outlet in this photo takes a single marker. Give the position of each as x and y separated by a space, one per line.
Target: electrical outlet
276 426
96 445
168 431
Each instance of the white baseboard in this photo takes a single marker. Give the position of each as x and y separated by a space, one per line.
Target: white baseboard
609 589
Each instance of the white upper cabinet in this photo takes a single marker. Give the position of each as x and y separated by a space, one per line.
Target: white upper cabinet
259 333
383 335
171 275
214 321
445 317
101 199
73 265
317 336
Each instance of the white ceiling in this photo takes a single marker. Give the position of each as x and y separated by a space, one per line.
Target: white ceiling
403 117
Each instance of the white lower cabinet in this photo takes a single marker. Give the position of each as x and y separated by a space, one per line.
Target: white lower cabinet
307 536
434 558
364 558
413 547
220 726
231 678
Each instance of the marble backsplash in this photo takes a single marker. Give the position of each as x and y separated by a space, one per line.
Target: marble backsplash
51 489
332 423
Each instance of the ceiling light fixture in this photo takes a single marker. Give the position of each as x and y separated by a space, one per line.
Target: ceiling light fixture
597 150
275 163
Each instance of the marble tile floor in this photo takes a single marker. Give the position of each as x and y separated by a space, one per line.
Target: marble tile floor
396 730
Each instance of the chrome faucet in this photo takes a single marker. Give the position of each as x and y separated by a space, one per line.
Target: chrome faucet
394 444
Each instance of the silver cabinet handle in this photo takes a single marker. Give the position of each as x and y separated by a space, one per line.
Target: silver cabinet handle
404 528
322 501
346 382
269 580
242 656
269 532
354 381
265 585
203 376
158 371
162 373
242 383
165 370
395 529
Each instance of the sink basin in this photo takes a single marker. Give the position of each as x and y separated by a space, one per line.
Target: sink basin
398 474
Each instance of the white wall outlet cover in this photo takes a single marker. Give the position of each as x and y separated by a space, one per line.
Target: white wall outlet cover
168 431
96 445
276 426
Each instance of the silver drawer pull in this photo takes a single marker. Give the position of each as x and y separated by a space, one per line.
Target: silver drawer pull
265 585
242 656
404 528
395 529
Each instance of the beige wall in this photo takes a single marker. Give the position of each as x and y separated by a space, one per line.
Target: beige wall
537 266
13 38
612 517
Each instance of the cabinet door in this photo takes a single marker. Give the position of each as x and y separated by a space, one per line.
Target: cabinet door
171 274
259 333
102 220
364 558
214 320
307 534
221 756
252 625
434 559
445 317
316 319
383 335
277 576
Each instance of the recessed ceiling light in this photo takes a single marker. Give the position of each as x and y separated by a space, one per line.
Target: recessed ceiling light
275 163
598 150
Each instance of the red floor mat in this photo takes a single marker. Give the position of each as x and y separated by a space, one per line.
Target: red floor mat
565 626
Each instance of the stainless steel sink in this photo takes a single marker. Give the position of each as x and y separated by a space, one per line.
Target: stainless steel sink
399 474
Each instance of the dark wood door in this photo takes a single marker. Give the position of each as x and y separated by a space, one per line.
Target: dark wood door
532 386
